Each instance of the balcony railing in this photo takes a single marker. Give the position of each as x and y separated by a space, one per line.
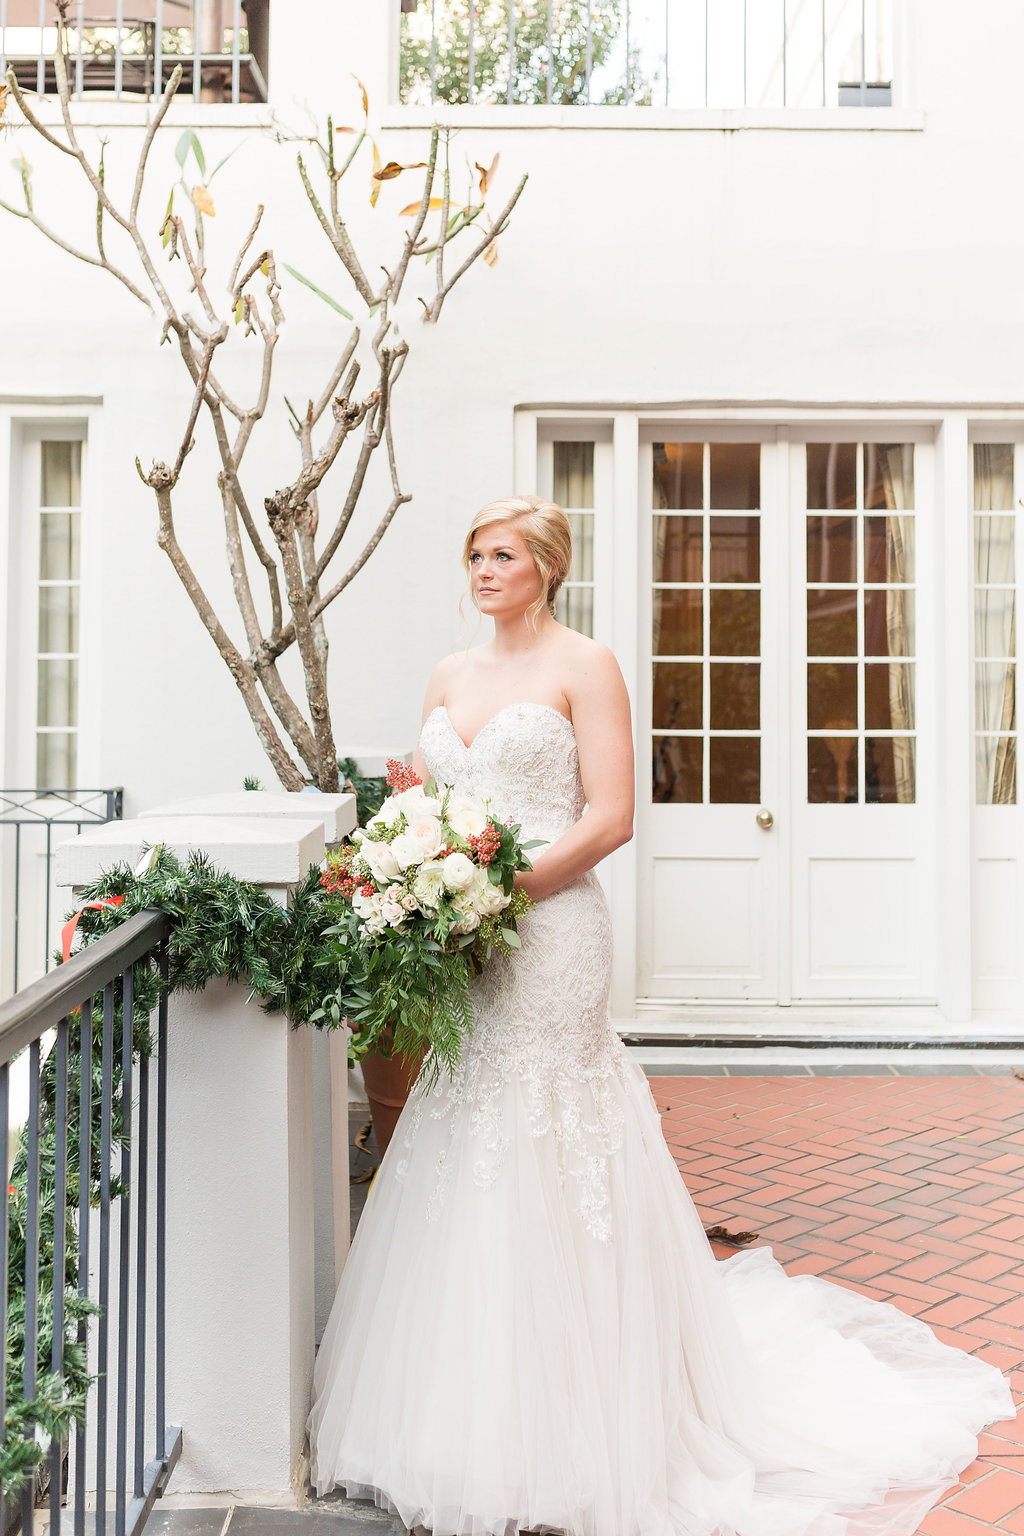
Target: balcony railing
126 50
82 1234
661 53
32 823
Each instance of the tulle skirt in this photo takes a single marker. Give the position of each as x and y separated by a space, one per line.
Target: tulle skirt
492 1365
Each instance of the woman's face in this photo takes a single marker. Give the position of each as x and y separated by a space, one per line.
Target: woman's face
503 577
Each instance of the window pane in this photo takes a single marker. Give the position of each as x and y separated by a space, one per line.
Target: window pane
677 771
582 525
889 623
831 477
58 619
735 476
832 695
677 622
996 763
889 770
995 704
677 696
735 553
831 623
889 696
993 477
831 549
574 606
734 775
735 623
677 548
993 550
56 760
679 475
58 546
574 474
832 770
61 475
735 696
994 625
889 549
57 694
889 476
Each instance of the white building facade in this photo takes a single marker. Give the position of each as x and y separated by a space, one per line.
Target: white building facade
759 329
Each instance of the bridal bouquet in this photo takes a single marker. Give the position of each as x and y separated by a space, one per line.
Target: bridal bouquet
425 895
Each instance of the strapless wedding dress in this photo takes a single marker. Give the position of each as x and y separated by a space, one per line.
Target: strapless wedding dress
531 1330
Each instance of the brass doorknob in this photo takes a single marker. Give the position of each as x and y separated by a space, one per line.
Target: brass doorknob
765 819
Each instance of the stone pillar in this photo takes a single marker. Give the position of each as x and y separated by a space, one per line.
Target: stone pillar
241 1187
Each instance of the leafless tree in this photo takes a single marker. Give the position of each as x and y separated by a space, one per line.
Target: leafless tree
298 559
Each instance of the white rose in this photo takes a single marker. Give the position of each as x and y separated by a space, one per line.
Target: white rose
468 924
428 886
427 832
467 821
413 802
407 851
469 898
410 903
380 859
388 813
492 900
458 871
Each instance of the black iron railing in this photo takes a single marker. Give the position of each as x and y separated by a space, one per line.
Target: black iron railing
31 821
82 1259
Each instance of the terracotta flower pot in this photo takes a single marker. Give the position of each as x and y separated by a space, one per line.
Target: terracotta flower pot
388 1080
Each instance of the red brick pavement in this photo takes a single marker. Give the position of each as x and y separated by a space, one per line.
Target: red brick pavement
909 1189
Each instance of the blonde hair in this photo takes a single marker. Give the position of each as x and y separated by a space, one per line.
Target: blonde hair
546 533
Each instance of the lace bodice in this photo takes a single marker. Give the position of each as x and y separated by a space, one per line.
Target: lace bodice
541 1029
523 760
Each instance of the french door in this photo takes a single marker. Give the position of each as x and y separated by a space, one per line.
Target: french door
787 838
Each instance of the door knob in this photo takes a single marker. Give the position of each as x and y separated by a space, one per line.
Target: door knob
765 819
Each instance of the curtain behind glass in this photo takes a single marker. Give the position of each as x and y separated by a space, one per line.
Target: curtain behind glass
897 466
994 623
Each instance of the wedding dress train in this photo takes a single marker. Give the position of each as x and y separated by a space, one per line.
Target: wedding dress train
531 1331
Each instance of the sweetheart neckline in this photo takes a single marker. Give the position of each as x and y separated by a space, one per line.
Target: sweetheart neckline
517 704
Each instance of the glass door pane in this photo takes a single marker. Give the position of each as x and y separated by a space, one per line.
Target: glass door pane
995 605
706 623
861 735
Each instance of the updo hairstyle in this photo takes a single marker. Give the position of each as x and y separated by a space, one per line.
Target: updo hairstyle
544 529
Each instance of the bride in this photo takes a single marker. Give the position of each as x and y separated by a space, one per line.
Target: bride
531 1331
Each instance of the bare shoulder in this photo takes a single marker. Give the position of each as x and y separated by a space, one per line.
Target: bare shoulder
592 669
444 679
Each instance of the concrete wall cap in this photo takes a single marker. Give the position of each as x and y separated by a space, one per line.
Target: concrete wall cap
260 849
337 813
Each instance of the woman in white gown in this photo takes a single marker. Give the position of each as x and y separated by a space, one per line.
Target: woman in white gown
531 1331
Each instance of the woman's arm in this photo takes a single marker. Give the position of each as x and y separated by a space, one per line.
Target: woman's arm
433 697
604 740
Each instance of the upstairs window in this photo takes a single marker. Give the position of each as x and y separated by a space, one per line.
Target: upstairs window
130 56
653 53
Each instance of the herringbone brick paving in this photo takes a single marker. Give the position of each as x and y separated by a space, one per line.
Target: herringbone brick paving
908 1189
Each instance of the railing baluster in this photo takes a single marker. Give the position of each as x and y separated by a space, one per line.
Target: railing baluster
141 1266
103 1297
471 83
118 47
4 1225
197 67
236 44
158 51
31 1259
512 49
84 1193
17 897
551 54
124 1247
60 1228
80 61
161 1203
590 45
46 922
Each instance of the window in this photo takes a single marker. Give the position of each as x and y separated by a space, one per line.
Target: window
59 512
860 623
573 481
672 53
706 623
995 625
